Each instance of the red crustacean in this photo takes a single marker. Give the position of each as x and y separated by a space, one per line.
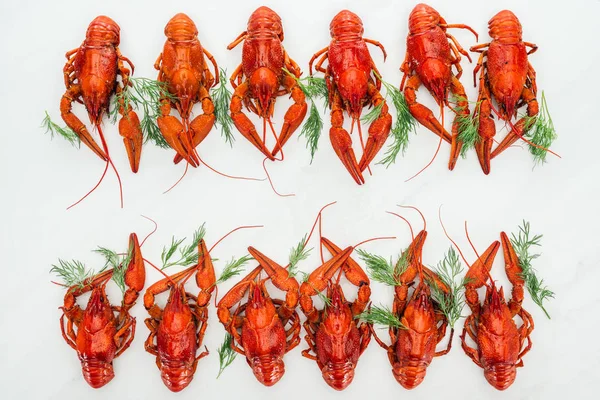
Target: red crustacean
182 66
507 76
429 59
413 345
258 326
263 63
334 335
500 343
177 330
353 82
91 74
95 333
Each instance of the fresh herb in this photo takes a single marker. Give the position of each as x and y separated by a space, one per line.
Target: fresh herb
450 304
380 315
147 94
373 114
221 97
468 127
65 132
226 354
297 254
188 254
534 285
405 123
540 131
383 271
72 273
313 88
233 268
117 263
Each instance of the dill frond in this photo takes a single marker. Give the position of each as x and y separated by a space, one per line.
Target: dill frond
145 94
188 254
117 263
226 354
383 271
405 123
468 126
372 115
540 131
312 129
534 285
233 268
72 273
297 254
451 304
221 97
65 132
380 315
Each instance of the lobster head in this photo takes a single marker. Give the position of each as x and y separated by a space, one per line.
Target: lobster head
263 19
264 84
103 30
181 28
346 23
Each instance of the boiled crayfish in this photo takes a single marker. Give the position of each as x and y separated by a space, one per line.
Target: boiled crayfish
336 338
430 57
91 74
353 82
183 68
507 76
258 326
263 63
96 333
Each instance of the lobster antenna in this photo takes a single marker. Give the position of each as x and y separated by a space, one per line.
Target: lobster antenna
420 213
151 233
420 261
436 150
318 219
373 239
187 165
412 234
476 253
449 238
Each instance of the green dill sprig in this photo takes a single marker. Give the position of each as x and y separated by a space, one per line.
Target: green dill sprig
450 304
383 271
146 94
72 273
226 354
380 315
297 254
540 131
188 254
221 97
65 132
313 88
118 263
372 115
534 285
233 268
468 126
405 123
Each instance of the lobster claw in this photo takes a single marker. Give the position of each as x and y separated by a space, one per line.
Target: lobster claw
513 272
205 276
178 138
342 145
130 130
135 276
478 274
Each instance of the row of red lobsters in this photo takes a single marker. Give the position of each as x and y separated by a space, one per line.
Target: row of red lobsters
351 83
264 328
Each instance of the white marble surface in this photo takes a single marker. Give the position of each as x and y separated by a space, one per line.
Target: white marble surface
40 178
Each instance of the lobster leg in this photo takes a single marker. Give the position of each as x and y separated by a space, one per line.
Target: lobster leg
421 113
294 115
478 275
282 280
72 93
471 352
379 129
209 79
521 126
202 124
487 127
175 134
237 74
314 57
340 140
243 123
463 113
124 337
317 282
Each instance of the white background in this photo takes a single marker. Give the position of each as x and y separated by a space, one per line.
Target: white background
41 177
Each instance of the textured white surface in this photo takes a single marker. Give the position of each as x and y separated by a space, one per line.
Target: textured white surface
40 178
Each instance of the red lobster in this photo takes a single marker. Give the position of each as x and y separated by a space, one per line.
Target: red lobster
259 325
263 60
96 334
429 60
353 83
500 343
423 326
177 331
507 76
334 335
184 69
91 78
